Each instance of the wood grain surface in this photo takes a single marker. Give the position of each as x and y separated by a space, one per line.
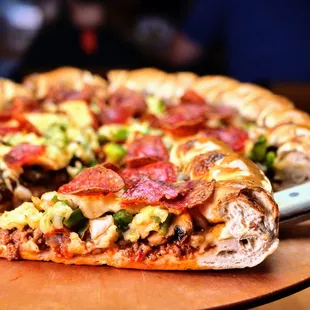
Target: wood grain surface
35 285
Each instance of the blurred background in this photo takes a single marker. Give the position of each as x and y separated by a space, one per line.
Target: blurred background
260 41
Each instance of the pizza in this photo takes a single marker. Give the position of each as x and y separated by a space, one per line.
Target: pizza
145 169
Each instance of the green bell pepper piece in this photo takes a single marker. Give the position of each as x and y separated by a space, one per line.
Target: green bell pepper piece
259 150
122 219
75 218
163 230
114 152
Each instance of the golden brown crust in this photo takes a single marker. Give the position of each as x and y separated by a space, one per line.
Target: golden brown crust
67 78
10 90
281 134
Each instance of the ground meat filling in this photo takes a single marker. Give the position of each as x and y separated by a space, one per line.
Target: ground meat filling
140 251
14 238
58 241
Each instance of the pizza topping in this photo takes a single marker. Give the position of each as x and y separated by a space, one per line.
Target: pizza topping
147 191
125 97
259 149
191 96
146 150
94 180
25 214
75 218
198 192
233 136
7 129
54 216
123 105
178 196
263 155
155 105
116 115
147 220
23 154
184 120
22 104
122 219
114 152
159 171
113 133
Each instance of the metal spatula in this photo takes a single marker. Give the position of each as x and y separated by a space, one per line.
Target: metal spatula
294 203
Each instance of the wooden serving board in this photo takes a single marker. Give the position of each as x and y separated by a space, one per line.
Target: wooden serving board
36 285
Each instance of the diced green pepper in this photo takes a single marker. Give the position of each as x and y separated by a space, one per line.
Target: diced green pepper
55 199
259 150
82 227
269 159
163 230
155 105
119 135
114 152
102 139
75 218
92 163
122 219
156 219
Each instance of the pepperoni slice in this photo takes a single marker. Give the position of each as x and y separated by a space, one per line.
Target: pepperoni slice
124 97
94 180
198 192
159 171
146 150
185 119
177 196
147 191
22 104
191 96
23 154
116 115
233 136
7 129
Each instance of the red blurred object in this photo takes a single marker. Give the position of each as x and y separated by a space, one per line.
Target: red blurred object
89 41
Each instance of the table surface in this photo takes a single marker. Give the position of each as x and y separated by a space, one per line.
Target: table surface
32 285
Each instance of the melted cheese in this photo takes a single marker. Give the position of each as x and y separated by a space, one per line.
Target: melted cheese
26 214
93 206
144 222
78 113
43 121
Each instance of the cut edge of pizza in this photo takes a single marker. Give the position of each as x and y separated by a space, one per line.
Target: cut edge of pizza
204 207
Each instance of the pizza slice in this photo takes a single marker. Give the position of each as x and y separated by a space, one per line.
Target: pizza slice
196 206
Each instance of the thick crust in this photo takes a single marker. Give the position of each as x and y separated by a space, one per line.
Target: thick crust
10 90
67 78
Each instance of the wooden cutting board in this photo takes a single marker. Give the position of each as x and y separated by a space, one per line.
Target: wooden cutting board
35 285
